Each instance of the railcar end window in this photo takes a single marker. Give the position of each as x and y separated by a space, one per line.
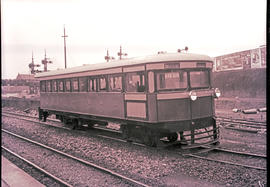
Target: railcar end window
42 86
115 83
48 86
172 80
67 86
102 84
92 85
54 86
199 79
135 82
61 85
83 84
75 85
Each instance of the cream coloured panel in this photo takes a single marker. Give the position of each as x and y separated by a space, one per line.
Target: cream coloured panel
151 82
134 68
137 110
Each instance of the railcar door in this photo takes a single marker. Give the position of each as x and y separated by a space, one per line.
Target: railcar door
135 96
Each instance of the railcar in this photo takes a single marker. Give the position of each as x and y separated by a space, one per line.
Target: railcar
159 99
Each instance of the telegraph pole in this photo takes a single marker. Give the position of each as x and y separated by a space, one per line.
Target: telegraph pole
65 47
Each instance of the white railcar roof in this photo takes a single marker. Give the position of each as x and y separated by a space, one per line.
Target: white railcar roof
164 57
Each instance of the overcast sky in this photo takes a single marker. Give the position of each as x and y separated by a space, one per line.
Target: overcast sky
142 27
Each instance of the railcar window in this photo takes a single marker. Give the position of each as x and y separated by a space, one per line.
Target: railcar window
54 86
67 86
135 82
199 79
92 85
61 86
48 86
102 84
75 85
83 84
115 83
42 86
172 80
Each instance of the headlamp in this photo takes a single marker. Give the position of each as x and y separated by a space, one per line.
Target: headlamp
217 93
192 95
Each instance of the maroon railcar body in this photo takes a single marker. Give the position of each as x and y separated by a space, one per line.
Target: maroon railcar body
153 97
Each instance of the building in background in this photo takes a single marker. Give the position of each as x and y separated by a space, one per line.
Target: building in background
25 85
253 58
26 77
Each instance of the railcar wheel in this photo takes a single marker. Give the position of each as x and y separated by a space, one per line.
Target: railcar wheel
65 120
150 137
61 119
75 124
172 137
90 125
125 132
148 140
155 139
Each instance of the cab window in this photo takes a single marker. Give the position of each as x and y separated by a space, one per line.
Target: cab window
171 80
135 82
199 79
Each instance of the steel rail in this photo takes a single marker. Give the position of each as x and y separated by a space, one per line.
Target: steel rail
54 121
79 160
33 117
37 167
225 162
262 123
236 152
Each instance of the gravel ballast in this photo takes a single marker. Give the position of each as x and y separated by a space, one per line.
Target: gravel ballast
67 169
155 166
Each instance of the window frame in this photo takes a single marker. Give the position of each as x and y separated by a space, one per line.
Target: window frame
48 90
58 83
99 84
80 84
201 87
142 80
76 79
65 85
109 82
92 79
54 89
167 71
42 86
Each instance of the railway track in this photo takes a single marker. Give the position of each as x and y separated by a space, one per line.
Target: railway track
203 149
45 172
228 123
84 162
113 134
53 122
251 126
231 152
